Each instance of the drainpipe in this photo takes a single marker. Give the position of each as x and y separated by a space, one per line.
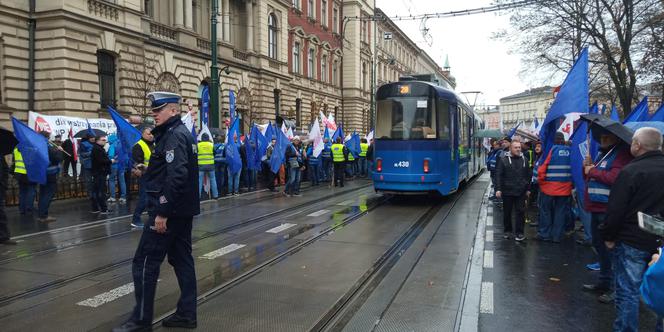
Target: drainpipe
32 23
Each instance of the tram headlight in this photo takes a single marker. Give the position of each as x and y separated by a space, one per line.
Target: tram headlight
379 165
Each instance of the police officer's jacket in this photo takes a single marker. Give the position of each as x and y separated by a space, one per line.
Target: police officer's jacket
172 176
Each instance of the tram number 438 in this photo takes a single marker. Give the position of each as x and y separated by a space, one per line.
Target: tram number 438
402 164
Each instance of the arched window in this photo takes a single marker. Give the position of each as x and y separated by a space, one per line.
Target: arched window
323 69
106 72
272 36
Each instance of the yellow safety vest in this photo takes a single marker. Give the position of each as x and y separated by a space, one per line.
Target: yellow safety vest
350 156
205 153
337 153
146 152
363 149
19 166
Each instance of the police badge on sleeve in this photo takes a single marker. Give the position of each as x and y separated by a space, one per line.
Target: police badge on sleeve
170 155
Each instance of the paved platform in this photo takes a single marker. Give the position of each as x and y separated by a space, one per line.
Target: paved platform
536 286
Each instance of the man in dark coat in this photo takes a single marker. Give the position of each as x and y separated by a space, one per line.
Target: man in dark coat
512 186
638 188
171 183
101 168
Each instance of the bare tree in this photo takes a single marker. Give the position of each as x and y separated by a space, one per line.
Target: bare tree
551 34
142 77
653 60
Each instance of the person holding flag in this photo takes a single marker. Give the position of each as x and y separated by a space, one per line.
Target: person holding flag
47 190
294 162
118 168
220 163
233 158
26 188
270 176
314 162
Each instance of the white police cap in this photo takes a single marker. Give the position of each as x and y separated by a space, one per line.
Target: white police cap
159 99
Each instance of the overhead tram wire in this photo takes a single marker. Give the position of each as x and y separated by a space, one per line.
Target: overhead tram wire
465 12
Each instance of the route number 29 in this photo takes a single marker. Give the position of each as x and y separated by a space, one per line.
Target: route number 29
402 164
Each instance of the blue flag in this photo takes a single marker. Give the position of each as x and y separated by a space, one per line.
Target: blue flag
353 145
128 136
573 97
640 112
513 131
279 151
269 132
603 112
231 104
614 114
261 143
580 150
326 134
233 157
34 150
338 133
90 131
659 114
205 105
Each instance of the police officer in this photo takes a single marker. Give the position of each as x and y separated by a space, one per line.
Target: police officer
339 156
172 186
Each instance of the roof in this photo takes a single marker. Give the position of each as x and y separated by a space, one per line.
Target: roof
545 90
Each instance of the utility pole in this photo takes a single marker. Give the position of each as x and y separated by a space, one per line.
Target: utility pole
372 116
214 68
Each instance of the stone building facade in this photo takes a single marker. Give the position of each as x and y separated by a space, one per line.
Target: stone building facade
525 106
284 58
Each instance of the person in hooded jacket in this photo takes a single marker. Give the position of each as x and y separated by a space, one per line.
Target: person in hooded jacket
513 187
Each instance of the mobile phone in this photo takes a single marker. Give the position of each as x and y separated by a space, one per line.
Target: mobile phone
651 224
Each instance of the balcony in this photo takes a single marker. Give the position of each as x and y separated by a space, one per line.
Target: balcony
203 44
244 56
163 32
103 9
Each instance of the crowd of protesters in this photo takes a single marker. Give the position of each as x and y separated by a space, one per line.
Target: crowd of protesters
623 179
95 160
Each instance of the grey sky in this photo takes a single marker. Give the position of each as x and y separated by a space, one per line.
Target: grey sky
478 62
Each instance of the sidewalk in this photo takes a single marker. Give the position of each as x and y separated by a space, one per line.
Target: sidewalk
537 285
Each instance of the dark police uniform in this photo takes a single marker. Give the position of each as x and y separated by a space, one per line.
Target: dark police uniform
172 187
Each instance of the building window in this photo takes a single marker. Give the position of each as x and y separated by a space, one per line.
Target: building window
323 13
364 76
323 69
147 8
298 111
272 36
296 57
312 9
335 19
311 60
296 4
106 72
335 69
365 28
194 16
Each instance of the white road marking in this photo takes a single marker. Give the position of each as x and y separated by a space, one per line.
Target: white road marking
223 251
280 229
489 236
318 213
109 296
486 303
488 259
489 221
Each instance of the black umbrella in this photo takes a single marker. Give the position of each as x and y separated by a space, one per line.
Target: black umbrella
7 141
600 124
84 133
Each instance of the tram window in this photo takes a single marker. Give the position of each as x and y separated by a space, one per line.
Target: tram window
443 119
406 118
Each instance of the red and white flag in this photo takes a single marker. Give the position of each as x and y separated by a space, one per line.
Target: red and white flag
74 144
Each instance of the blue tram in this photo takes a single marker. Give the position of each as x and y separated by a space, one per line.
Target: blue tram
424 139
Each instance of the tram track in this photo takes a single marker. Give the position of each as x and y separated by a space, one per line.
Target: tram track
54 284
351 302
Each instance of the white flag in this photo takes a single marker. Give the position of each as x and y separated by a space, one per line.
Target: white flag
188 121
567 127
204 130
283 128
370 136
317 138
289 133
262 128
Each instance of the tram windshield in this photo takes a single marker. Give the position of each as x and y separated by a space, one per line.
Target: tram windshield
406 118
